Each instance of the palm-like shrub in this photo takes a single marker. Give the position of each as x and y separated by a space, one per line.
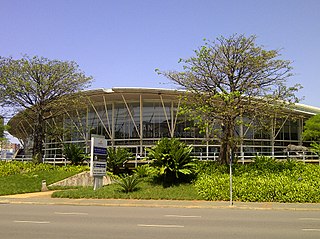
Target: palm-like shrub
74 153
144 171
128 183
172 158
116 158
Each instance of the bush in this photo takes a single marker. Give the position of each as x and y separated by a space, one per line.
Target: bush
315 148
128 183
213 187
15 167
265 180
172 159
264 163
116 158
144 171
74 153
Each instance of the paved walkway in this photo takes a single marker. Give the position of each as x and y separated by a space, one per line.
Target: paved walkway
44 198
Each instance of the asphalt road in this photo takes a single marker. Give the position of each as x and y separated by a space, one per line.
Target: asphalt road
86 222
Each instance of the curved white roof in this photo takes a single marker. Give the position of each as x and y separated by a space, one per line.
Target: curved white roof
132 93
299 108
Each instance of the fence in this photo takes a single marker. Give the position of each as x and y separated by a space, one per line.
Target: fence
56 160
305 157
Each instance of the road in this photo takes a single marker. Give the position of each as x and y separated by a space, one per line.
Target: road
21 221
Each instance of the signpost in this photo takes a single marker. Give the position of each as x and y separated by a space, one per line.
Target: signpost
230 172
98 160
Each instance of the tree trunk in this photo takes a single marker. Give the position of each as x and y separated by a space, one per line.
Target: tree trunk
226 142
224 153
38 135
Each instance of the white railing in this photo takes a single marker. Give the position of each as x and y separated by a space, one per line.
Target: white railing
55 160
306 157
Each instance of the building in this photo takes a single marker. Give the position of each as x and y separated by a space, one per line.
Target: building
136 118
8 150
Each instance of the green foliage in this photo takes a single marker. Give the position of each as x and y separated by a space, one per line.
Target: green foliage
15 167
128 183
213 187
116 158
21 177
231 77
264 163
265 180
172 159
3 128
144 171
40 87
275 188
74 153
147 190
112 176
315 148
311 129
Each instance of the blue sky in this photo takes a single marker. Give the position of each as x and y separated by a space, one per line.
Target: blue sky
121 42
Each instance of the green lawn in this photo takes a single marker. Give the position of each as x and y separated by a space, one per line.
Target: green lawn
146 190
265 180
29 182
20 177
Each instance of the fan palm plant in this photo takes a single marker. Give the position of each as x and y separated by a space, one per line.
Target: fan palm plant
172 158
116 158
128 183
74 153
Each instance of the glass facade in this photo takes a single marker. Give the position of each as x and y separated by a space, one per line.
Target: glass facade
137 118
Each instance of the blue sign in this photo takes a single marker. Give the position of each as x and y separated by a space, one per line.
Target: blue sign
98 162
98 150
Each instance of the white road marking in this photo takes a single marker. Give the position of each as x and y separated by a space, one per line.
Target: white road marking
71 213
311 230
183 216
163 226
34 222
309 219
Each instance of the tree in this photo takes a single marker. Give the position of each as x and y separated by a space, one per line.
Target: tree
39 88
312 128
3 128
230 79
312 132
3 137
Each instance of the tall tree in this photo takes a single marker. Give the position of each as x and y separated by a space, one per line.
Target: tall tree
3 128
311 132
39 88
232 78
312 128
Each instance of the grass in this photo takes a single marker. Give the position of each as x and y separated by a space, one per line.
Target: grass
30 182
146 190
19 177
265 180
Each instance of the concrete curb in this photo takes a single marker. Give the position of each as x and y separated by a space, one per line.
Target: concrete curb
44 198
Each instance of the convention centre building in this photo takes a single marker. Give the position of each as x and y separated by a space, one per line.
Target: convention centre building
136 118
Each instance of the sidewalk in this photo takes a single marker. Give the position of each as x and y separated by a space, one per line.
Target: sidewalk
44 198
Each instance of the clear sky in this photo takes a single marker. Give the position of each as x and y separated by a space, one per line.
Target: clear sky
121 42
